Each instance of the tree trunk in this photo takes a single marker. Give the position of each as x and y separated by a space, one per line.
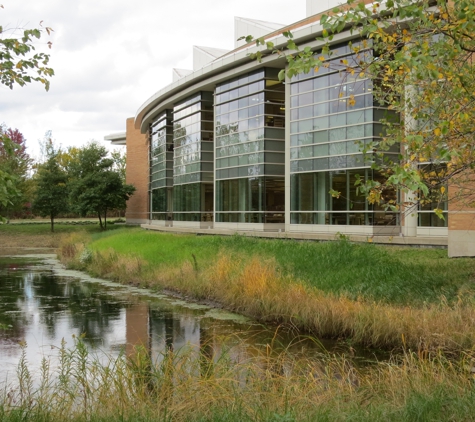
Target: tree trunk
100 220
52 223
105 219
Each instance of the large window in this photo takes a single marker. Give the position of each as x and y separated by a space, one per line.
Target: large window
161 166
193 168
250 145
332 120
312 203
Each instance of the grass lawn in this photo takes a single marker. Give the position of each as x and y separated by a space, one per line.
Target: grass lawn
389 274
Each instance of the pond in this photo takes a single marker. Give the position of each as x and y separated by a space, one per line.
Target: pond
43 304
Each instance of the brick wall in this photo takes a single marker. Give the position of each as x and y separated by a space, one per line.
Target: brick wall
137 173
461 240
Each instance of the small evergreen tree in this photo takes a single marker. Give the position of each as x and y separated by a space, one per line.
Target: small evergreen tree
51 196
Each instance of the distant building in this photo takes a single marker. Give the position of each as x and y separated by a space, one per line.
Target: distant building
227 147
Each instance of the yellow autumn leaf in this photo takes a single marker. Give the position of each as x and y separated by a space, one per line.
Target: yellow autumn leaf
442 189
437 131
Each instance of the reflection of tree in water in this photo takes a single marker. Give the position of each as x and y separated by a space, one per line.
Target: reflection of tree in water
89 312
11 317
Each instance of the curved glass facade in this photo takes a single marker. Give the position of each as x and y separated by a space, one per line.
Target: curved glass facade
161 166
238 151
193 168
332 119
250 148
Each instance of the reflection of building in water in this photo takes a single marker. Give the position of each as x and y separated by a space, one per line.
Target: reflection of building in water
137 327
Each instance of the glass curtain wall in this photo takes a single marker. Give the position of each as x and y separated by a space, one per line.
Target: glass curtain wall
332 119
193 158
161 166
250 148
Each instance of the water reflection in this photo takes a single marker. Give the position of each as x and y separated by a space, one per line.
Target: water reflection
41 308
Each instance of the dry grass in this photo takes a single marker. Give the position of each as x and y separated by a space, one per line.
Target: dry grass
186 385
254 287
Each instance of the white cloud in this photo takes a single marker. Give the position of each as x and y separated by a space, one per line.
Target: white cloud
110 56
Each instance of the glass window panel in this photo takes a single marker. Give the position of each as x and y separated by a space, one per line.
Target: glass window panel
244 90
254 158
294 89
321 164
305 125
338 120
294 153
306 112
233 95
305 99
355 132
306 85
320 123
243 114
352 147
337 162
243 125
274 169
306 152
243 102
321 96
222 162
320 136
337 78
320 109
338 106
337 134
305 138
294 101
305 165
321 82
321 150
355 117
338 92
274 145
368 130
338 148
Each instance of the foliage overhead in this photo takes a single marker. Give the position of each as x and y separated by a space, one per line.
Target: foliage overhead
19 62
420 58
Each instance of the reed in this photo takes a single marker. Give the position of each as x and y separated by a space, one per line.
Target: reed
249 276
189 385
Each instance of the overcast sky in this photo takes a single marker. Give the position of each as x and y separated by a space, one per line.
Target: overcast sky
109 56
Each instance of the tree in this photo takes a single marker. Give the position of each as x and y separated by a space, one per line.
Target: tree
19 62
420 57
51 196
96 187
14 167
8 180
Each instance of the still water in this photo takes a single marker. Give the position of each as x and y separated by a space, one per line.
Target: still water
42 304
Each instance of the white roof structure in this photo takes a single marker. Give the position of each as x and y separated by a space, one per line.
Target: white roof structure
257 28
180 73
204 55
318 6
116 138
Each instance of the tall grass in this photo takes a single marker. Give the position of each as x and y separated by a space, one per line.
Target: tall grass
245 275
396 276
183 386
